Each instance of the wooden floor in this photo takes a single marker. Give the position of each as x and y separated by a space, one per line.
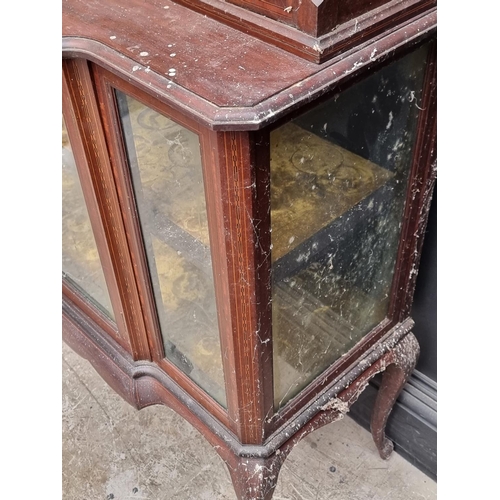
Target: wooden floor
113 452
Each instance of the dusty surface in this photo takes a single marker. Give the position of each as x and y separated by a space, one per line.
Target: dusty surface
113 452
180 44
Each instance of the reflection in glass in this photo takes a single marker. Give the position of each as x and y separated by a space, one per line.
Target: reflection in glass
338 181
80 260
167 177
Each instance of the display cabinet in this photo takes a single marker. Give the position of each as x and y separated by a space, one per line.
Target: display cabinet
245 192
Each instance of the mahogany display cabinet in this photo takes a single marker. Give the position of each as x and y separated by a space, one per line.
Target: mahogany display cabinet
245 192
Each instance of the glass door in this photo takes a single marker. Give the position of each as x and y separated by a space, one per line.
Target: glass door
164 161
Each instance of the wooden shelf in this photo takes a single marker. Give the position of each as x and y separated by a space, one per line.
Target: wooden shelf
317 192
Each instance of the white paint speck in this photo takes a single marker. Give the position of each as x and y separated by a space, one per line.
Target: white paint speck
144 54
390 121
317 48
173 54
166 7
291 240
112 37
354 66
135 68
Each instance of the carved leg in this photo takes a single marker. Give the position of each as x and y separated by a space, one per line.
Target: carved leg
401 363
256 478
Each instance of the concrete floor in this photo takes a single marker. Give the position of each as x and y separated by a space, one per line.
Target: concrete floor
112 451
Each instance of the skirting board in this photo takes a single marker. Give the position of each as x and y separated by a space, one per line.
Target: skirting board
413 422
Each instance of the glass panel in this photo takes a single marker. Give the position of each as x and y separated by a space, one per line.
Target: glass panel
338 181
80 260
167 176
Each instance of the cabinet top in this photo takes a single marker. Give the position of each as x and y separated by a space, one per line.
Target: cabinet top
220 76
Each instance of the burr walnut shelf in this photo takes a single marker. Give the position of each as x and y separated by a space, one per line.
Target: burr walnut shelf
243 214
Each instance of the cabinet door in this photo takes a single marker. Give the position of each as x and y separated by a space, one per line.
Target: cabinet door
164 161
157 157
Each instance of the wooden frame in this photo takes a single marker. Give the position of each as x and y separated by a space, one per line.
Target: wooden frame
234 139
251 349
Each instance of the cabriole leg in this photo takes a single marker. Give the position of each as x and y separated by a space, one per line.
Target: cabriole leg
403 360
256 478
